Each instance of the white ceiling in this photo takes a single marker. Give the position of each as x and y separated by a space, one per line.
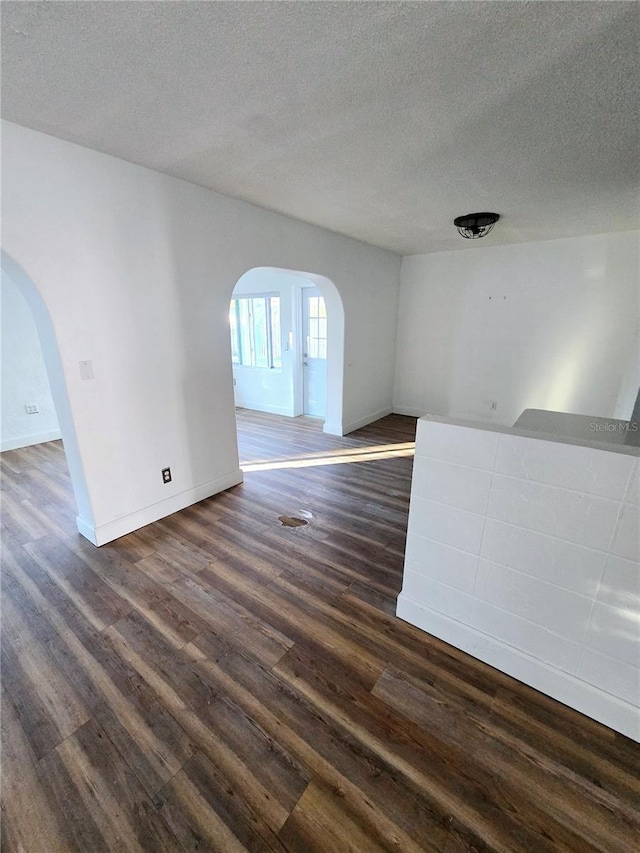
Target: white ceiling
382 121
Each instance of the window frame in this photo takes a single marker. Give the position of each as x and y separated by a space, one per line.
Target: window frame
239 345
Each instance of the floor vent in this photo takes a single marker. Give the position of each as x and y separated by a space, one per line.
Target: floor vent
291 521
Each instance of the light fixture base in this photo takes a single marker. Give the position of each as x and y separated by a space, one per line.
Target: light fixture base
475 225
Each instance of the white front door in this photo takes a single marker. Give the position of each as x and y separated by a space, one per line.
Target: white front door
314 352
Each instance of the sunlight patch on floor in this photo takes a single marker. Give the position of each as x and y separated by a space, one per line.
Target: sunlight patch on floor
334 457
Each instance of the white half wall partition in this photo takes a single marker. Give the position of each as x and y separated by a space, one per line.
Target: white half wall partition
136 270
522 550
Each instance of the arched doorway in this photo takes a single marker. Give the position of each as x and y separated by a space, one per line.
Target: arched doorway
19 278
273 305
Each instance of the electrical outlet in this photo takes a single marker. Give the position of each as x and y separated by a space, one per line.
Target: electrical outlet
31 408
166 475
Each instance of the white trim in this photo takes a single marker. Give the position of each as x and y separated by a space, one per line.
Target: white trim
104 533
296 327
410 411
87 530
566 688
29 440
332 429
265 407
368 419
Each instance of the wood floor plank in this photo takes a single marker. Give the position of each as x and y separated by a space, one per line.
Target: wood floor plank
217 681
97 791
329 754
147 737
321 822
227 618
423 760
66 568
297 619
23 569
146 596
23 794
47 703
193 818
182 693
18 522
88 655
20 612
537 780
173 560
242 821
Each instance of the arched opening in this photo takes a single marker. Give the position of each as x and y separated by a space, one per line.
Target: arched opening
14 273
287 342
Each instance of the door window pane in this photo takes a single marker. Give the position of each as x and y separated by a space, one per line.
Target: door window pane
259 326
317 327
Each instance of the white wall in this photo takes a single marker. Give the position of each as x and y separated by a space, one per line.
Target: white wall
550 325
24 376
136 270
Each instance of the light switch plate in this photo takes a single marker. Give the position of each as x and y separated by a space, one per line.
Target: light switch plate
86 369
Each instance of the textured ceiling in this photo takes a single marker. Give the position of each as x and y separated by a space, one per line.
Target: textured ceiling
382 121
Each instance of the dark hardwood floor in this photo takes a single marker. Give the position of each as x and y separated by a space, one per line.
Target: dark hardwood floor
219 681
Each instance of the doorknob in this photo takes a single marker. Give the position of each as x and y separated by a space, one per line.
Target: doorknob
305 364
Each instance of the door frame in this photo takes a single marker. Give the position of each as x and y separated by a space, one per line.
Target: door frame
298 366
296 325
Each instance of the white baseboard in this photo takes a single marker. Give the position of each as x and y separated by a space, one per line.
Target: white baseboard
103 533
409 410
566 688
29 440
271 410
87 530
332 428
476 417
368 419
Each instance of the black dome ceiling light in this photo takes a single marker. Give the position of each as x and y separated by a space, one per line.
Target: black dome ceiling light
475 225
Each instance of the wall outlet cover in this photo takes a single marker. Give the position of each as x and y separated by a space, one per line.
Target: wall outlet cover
86 369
